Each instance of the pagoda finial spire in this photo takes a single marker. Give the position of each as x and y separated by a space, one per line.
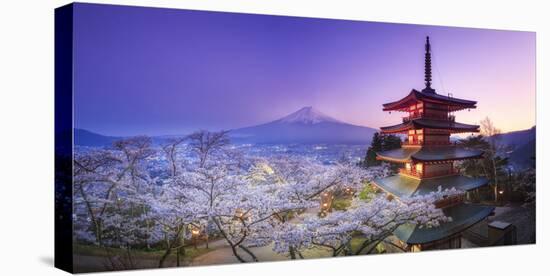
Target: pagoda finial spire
428 68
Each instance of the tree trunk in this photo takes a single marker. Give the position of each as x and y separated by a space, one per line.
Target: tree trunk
292 253
165 256
496 181
180 250
130 259
366 244
178 257
234 249
249 253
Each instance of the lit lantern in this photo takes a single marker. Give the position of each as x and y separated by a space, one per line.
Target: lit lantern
348 191
326 200
195 235
195 232
239 213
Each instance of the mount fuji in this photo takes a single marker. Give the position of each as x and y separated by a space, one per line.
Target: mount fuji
305 126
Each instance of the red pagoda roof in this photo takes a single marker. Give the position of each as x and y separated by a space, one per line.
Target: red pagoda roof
429 154
429 97
419 123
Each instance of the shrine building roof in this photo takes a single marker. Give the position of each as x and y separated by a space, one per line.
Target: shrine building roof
463 216
419 123
426 154
405 186
416 96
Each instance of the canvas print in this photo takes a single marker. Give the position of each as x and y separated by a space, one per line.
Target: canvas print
191 138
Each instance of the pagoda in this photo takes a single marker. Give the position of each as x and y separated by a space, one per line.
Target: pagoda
429 162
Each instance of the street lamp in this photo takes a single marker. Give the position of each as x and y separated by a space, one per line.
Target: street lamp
326 201
239 213
348 191
195 234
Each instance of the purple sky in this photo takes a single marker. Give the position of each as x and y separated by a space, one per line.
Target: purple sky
162 71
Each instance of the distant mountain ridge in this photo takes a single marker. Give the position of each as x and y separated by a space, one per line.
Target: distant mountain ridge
307 126
517 138
311 126
84 137
522 146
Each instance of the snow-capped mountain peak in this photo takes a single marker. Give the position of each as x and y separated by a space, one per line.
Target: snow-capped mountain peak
308 115
305 126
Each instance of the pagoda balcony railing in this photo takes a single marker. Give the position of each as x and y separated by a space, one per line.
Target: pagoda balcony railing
418 174
426 143
413 116
449 201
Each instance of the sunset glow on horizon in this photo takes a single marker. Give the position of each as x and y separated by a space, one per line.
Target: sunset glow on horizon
158 72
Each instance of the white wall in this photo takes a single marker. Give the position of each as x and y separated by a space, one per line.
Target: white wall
26 112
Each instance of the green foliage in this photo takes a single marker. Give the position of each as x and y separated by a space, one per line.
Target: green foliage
368 193
380 248
341 204
390 142
380 143
491 165
356 242
524 184
375 146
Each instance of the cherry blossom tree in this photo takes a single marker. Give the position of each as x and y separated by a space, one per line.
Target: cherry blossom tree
375 220
204 186
109 209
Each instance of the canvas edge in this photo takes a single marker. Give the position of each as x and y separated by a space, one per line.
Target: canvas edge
63 246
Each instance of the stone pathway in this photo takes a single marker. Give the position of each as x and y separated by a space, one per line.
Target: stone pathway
224 255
